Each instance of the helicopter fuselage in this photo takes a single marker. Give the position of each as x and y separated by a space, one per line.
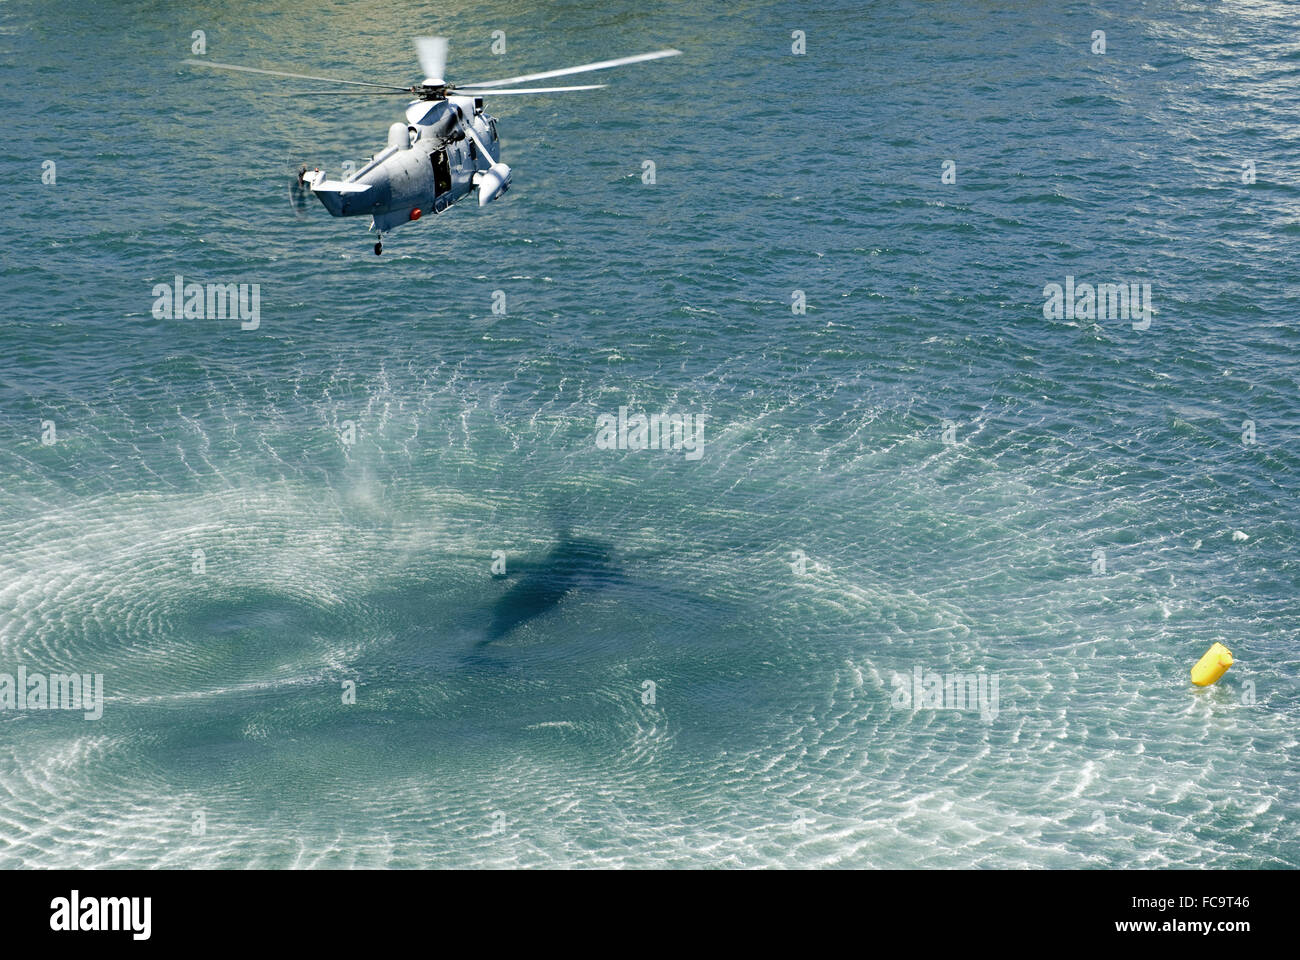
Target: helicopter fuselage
446 150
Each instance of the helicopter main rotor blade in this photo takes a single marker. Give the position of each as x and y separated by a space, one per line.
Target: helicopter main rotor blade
453 92
337 93
493 92
432 52
296 76
602 65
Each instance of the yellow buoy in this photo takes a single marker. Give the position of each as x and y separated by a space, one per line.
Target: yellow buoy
1212 666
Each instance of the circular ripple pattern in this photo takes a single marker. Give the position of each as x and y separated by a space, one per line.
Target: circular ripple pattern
688 662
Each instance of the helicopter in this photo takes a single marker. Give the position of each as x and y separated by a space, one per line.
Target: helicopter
446 148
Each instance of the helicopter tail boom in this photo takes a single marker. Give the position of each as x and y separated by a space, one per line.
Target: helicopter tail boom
335 195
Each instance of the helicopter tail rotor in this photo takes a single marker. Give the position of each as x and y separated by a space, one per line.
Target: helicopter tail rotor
299 190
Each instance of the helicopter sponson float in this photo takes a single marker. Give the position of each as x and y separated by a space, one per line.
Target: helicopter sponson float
446 149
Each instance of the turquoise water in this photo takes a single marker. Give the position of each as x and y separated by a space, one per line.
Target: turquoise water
505 720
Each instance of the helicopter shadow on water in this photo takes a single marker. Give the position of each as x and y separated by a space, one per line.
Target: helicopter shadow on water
517 628
574 566
447 619
581 566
